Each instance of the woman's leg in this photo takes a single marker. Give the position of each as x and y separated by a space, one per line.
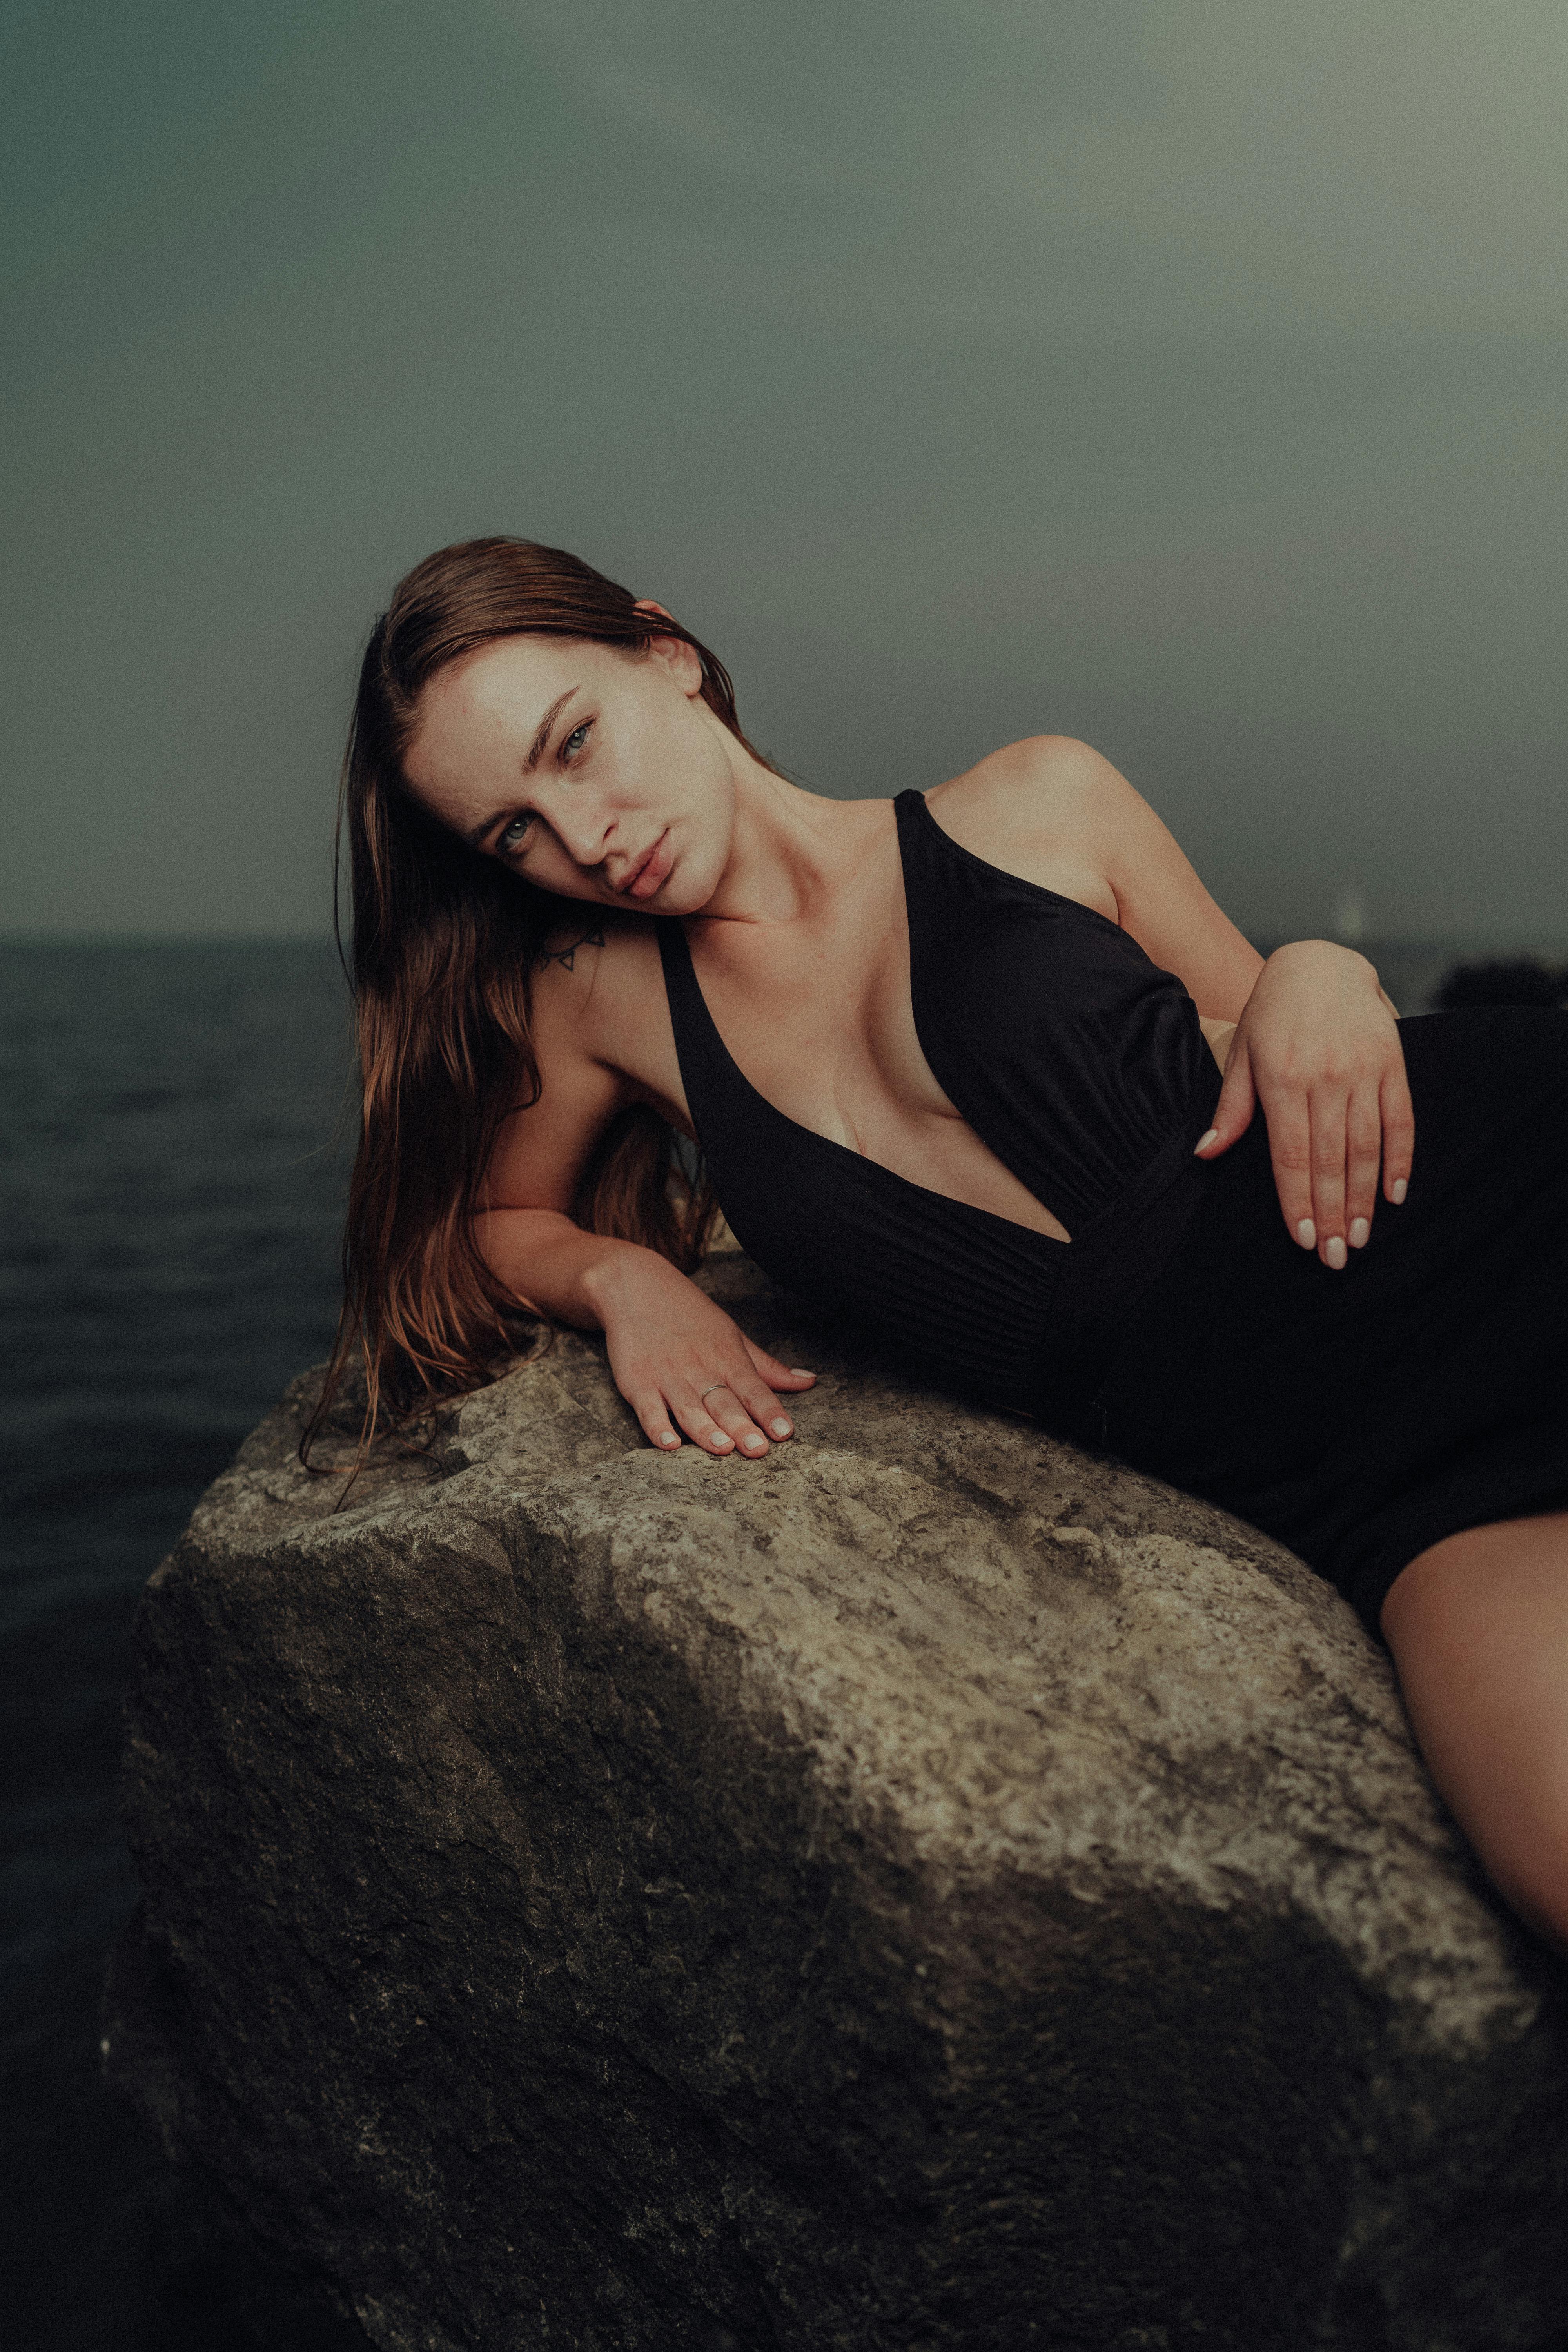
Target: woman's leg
1479 1628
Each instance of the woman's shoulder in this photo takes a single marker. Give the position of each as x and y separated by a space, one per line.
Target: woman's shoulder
1040 809
1041 779
590 980
589 948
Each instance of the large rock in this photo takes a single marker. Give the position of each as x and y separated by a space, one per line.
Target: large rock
932 1888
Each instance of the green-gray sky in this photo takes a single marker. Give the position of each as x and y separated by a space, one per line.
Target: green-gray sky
1191 378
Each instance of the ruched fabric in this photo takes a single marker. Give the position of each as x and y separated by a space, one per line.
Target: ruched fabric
1103 1137
1046 1024
959 1296
1358 1416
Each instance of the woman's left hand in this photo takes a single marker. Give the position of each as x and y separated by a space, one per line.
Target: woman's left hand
1318 1046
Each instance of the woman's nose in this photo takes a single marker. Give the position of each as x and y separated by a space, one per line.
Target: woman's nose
585 834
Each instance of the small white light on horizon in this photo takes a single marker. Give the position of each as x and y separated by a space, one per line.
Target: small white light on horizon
1350 917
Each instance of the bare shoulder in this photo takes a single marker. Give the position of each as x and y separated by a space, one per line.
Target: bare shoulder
1043 809
595 1034
1053 812
1045 785
594 980
590 964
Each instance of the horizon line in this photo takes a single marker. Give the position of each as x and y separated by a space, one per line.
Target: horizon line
1474 943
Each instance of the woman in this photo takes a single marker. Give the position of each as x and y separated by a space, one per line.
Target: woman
954 1065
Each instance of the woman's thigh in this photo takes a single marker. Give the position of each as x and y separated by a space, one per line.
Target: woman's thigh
1479 1630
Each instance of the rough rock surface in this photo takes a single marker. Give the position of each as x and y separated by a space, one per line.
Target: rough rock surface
932 1888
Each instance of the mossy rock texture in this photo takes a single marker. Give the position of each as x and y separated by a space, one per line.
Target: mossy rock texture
930 1888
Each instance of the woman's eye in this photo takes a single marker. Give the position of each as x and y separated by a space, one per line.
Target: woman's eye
576 741
513 835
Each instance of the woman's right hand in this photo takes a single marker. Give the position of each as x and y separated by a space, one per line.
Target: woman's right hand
682 1364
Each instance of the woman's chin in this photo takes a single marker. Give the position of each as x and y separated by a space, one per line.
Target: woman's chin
685 889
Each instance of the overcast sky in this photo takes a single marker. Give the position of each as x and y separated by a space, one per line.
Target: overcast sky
1188 377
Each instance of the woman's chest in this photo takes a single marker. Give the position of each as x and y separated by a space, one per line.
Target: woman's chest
818 1020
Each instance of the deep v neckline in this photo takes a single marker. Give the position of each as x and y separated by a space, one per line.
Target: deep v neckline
673 941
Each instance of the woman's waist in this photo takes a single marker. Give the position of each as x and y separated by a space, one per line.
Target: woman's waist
1114 1263
994 1308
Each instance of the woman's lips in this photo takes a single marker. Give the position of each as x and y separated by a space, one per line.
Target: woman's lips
654 871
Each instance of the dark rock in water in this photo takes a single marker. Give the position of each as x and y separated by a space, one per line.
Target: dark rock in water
932 1888
1518 979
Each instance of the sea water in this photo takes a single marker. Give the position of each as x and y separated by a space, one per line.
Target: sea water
173 1140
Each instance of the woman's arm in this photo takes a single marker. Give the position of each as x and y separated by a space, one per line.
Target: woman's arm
1318 1046
667 1342
1315 1041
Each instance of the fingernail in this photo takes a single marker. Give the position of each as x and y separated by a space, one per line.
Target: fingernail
722 1443
1360 1229
1205 1141
1307 1233
1334 1252
669 1437
780 1428
801 1373
1396 1190
753 1444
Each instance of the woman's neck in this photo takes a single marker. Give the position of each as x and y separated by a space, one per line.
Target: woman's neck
790 850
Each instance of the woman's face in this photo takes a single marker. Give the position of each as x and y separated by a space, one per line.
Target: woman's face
593 773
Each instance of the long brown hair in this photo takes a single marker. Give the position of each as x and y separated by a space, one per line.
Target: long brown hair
444 947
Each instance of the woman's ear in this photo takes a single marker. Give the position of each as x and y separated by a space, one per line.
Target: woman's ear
681 660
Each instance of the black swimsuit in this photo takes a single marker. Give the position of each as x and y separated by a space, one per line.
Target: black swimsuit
1357 1416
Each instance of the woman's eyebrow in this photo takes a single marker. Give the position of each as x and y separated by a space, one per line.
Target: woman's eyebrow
535 752
541 737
